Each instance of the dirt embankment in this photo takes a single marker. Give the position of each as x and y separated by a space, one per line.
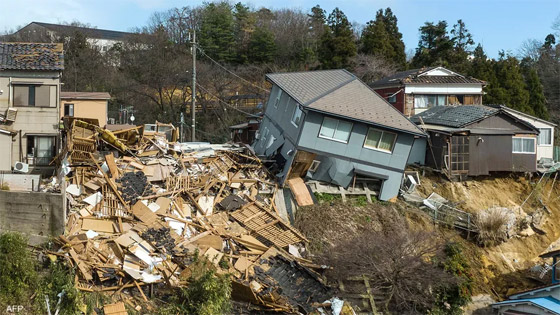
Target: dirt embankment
505 267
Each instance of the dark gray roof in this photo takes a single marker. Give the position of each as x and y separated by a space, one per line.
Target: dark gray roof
454 116
31 56
414 77
87 31
340 93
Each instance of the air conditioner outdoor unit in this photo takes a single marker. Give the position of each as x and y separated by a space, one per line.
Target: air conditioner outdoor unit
11 114
21 167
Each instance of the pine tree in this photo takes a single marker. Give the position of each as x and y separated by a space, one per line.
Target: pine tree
512 90
381 37
217 33
244 21
375 39
399 55
462 40
434 46
536 94
548 69
262 47
337 42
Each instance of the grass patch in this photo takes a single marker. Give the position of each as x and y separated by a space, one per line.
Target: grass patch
327 198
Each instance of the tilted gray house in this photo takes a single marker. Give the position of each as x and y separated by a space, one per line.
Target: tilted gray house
330 126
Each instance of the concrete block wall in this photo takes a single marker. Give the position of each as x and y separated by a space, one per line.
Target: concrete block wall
35 214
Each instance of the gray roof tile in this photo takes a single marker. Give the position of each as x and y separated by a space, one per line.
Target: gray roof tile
454 116
31 56
306 86
340 93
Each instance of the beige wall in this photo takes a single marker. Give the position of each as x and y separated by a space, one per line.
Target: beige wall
29 120
96 109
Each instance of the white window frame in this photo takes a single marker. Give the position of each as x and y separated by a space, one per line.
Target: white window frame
551 137
531 138
296 110
314 166
337 122
382 132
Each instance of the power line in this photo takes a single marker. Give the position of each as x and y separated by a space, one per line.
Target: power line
231 72
223 102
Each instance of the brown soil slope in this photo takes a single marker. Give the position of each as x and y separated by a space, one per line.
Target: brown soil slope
505 266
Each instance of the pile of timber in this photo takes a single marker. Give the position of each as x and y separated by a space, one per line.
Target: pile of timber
139 215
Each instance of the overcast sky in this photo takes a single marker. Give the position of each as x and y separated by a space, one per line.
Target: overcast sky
497 24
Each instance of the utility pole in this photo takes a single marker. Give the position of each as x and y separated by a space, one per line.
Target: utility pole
193 90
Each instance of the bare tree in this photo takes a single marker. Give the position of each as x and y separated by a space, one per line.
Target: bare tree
530 48
398 262
370 68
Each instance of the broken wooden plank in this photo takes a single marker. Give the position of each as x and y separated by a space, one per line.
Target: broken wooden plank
300 191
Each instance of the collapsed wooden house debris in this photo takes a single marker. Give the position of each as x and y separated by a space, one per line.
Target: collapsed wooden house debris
138 214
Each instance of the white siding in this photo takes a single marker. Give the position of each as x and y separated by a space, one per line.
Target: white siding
443 89
543 151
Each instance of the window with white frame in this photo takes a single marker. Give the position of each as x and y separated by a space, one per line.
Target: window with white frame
277 100
335 129
380 140
314 166
69 109
296 116
545 136
523 145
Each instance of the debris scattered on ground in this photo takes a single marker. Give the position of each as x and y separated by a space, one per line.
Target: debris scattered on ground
142 208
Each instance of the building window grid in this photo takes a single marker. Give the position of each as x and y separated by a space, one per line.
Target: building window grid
380 140
335 129
545 137
523 145
459 153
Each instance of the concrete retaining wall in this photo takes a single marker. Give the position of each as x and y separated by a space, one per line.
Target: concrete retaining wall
33 213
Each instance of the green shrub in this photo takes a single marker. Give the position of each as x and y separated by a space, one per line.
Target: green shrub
18 275
451 298
207 293
59 279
